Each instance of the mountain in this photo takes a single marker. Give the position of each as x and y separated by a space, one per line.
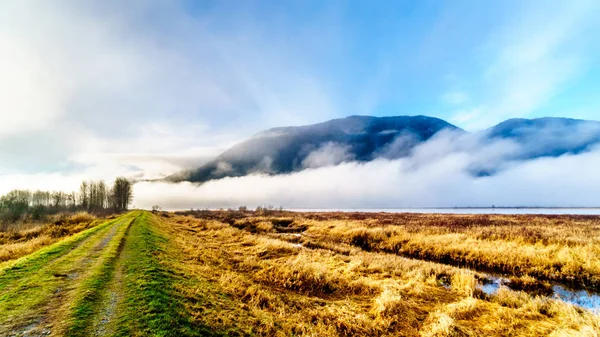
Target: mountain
364 138
290 149
548 137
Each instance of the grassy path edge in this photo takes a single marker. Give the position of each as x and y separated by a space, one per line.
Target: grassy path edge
151 305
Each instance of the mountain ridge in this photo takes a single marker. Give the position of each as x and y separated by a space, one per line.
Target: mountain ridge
363 138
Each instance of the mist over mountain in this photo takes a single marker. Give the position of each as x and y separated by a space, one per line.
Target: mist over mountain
549 162
292 149
548 137
365 138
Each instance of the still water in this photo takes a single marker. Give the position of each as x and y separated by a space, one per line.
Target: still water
582 298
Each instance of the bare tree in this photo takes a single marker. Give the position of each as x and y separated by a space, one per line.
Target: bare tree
102 195
93 196
84 191
122 193
41 199
58 199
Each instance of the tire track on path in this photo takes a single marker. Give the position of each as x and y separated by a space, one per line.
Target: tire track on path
93 308
13 271
106 314
43 295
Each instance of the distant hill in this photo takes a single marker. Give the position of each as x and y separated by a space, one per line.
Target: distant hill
548 137
290 149
364 138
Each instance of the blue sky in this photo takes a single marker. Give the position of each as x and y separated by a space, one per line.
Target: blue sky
473 63
144 88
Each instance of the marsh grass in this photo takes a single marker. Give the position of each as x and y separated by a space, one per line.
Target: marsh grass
555 248
337 277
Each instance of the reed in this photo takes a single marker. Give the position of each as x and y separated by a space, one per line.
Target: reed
331 276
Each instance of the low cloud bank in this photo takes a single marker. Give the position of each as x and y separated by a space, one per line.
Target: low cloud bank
438 173
329 154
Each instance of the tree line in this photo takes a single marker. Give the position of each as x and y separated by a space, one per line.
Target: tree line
93 196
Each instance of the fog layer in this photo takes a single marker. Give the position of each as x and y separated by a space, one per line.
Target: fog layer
439 173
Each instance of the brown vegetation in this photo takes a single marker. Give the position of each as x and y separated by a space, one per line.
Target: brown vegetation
20 239
334 275
558 248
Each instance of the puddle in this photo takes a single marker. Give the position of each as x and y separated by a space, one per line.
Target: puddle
493 284
581 298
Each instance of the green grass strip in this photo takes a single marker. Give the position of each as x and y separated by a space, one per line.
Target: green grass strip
152 307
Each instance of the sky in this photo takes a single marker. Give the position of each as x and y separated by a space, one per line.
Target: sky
92 90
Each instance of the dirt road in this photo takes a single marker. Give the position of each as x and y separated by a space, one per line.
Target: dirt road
106 281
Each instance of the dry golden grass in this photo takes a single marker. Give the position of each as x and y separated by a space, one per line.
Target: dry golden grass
559 248
315 275
25 238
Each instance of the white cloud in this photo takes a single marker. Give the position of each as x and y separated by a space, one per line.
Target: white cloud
31 95
108 88
329 154
41 181
391 184
534 56
440 173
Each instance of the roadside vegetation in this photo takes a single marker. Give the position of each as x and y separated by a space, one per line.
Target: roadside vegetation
28 238
150 305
